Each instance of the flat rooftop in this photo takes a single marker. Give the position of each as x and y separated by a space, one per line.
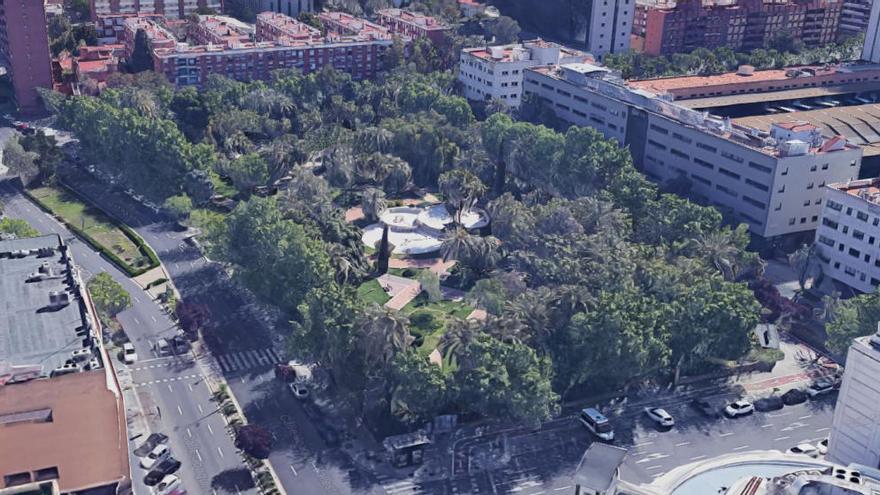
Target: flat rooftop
33 334
784 95
860 124
670 84
867 189
415 18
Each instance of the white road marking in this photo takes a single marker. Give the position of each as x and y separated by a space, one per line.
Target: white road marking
741 447
780 439
562 488
219 451
768 425
698 457
136 299
260 378
643 444
778 415
210 429
806 417
136 320
153 318
179 410
682 444
315 466
200 408
190 385
169 388
294 470
651 468
820 430
725 434
198 455
243 380
189 433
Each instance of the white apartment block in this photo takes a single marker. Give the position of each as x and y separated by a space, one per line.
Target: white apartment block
773 181
292 8
609 25
855 431
848 238
871 50
496 72
854 15
169 8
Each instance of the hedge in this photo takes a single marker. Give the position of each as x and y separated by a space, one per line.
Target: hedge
136 239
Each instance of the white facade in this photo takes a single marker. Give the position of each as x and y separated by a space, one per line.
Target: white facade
848 238
871 51
855 432
496 72
771 181
609 25
170 8
291 8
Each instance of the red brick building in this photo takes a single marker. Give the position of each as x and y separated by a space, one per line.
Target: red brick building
666 28
218 30
24 44
411 24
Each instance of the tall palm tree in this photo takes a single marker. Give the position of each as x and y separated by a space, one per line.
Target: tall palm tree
457 337
719 251
803 260
460 245
384 333
373 203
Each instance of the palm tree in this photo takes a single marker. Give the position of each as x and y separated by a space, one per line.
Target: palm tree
457 337
803 261
384 333
506 329
718 250
373 203
460 245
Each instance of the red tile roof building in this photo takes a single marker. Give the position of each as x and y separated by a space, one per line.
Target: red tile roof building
412 24
24 44
219 30
742 25
342 24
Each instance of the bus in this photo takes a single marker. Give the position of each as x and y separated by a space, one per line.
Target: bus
597 423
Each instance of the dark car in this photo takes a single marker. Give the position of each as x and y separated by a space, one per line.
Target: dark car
794 396
705 407
772 403
161 470
328 434
150 443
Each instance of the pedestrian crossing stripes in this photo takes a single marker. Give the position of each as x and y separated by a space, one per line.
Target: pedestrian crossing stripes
401 488
243 360
166 380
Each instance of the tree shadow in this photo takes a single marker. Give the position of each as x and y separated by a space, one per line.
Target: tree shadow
233 480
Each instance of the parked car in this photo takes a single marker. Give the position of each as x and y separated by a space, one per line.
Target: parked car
772 403
822 446
167 466
150 443
129 355
157 455
168 484
162 347
739 408
660 417
705 407
794 396
805 449
819 387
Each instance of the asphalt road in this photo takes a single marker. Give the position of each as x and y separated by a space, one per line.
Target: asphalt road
209 460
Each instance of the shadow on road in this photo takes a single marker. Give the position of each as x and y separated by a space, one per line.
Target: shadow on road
233 480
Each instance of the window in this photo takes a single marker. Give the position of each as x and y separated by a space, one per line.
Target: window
16 479
829 223
682 138
754 202
834 205
849 271
724 171
858 234
760 167
702 180
849 211
679 154
867 258
855 253
731 156
810 185
656 128
782 189
813 168
825 240
49 473
725 190
862 216
707 147
845 229
824 166
704 163
791 221
656 144
806 202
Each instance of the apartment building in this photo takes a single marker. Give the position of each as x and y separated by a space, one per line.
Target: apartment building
608 26
179 9
871 50
854 15
281 43
62 416
219 30
496 72
773 181
848 238
292 8
412 24
855 430
343 24
664 28
24 50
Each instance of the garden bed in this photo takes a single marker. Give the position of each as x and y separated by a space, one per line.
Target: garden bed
116 241
428 319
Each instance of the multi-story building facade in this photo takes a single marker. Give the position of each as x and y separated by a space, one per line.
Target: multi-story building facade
608 26
340 23
292 8
281 43
773 181
219 30
871 50
412 24
848 238
62 416
24 50
854 15
676 27
855 430
179 9
496 72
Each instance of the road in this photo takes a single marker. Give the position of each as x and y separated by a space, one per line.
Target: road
241 339
209 457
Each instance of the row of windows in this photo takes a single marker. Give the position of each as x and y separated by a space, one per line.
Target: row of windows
852 272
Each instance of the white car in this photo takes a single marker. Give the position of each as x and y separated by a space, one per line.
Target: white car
739 408
157 455
821 386
129 355
660 416
822 446
805 449
168 484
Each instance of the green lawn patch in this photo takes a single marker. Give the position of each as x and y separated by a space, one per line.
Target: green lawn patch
372 292
222 187
428 319
116 241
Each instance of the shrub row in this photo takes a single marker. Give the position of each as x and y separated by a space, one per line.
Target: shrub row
157 282
131 234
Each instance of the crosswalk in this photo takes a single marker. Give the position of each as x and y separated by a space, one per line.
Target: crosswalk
245 360
398 487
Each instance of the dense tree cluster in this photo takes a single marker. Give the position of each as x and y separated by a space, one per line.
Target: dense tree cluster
704 62
591 278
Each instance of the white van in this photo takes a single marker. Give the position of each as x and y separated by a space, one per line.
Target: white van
597 423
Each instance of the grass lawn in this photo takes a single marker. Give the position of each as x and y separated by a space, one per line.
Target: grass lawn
93 222
221 187
372 292
428 319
